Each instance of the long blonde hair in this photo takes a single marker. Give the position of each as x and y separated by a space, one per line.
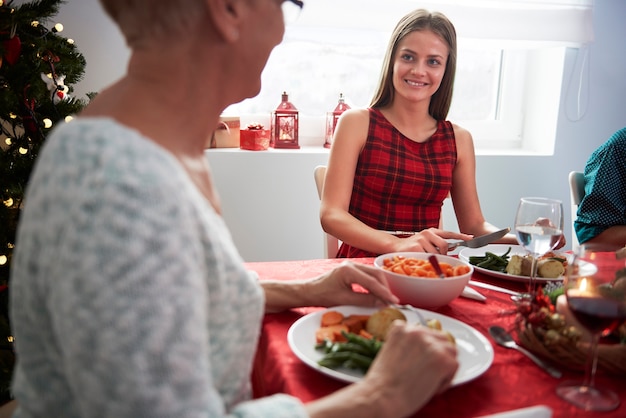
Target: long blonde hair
418 20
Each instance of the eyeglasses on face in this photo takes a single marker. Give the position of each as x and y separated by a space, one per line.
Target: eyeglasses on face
298 3
291 10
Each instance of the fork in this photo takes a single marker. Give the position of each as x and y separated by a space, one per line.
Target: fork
412 309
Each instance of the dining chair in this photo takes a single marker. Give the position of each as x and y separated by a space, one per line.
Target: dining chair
331 244
577 192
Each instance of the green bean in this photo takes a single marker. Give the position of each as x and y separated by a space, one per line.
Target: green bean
353 348
499 258
325 345
356 353
346 359
372 345
491 261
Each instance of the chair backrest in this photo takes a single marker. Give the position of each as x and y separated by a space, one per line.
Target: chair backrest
576 192
331 244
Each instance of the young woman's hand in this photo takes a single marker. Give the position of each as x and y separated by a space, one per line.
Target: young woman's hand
432 240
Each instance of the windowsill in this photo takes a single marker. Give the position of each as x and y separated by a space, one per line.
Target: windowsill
319 149
304 149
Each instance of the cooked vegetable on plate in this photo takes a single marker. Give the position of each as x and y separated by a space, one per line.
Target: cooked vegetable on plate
353 341
549 266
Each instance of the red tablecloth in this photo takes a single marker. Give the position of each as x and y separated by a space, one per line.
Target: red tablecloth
512 381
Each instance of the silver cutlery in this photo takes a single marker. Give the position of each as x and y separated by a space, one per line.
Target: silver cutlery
477 242
494 288
412 309
505 339
468 292
480 241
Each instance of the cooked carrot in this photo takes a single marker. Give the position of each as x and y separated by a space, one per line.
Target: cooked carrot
331 333
461 270
331 318
355 323
363 333
421 268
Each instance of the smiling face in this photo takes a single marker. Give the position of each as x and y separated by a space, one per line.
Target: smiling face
419 65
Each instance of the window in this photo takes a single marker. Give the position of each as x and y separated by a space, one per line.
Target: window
508 84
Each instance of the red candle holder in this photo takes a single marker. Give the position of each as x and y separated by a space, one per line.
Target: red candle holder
284 123
332 118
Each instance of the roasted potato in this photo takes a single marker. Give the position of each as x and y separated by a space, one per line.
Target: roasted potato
436 324
550 268
519 265
379 322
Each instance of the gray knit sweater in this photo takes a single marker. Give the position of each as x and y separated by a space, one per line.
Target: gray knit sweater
128 296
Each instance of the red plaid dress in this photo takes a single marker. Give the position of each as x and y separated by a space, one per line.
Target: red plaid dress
400 184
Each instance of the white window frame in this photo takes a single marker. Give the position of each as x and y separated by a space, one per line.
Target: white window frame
532 75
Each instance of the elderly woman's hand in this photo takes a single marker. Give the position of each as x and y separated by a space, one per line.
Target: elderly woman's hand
414 364
336 287
347 284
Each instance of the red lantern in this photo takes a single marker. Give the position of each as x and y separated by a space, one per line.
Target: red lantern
285 125
332 118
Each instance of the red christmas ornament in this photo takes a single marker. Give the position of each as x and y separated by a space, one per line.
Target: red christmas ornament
12 49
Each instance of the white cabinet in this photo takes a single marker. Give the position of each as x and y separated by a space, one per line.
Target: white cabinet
270 202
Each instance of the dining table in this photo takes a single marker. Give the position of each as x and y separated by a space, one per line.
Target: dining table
512 381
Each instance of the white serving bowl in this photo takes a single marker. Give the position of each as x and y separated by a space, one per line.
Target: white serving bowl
421 292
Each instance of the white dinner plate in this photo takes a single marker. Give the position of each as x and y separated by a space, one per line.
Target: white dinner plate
475 352
500 249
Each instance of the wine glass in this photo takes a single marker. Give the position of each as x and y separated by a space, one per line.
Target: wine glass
538 226
598 302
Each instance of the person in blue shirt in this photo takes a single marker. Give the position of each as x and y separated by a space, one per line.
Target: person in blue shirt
601 216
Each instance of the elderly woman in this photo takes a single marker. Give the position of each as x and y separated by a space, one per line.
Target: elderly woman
129 298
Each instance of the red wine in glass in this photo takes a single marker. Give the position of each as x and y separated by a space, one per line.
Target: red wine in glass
598 315
598 301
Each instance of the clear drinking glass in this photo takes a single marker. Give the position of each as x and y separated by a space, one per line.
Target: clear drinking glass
598 302
538 226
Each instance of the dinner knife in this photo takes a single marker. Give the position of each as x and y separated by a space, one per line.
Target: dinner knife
480 241
477 242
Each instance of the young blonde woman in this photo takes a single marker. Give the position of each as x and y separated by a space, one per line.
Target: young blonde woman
392 165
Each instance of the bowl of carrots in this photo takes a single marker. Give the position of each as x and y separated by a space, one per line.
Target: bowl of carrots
412 278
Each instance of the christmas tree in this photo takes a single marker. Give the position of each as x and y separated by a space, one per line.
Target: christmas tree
38 67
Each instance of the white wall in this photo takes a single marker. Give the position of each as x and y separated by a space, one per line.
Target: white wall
269 197
98 39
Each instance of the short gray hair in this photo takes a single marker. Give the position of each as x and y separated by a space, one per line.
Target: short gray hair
141 19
